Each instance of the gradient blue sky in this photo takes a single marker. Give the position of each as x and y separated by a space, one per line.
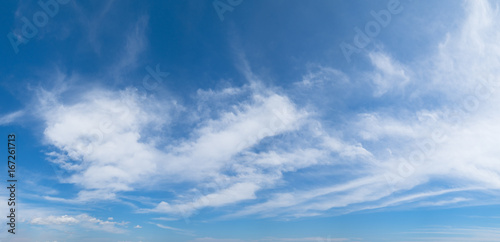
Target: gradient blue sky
252 120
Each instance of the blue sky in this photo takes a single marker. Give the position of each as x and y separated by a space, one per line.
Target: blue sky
238 120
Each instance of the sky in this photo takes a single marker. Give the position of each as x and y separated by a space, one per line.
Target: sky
239 120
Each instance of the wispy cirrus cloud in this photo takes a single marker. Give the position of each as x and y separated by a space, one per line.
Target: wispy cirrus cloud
248 148
11 117
173 229
439 140
388 75
451 233
110 139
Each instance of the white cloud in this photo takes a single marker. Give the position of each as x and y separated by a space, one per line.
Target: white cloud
411 150
65 219
312 239
287 200
112 150
324 75
236 193
115 147
83 220
217 141
105 148
181 231
237 153
11 117
451 233
465 58
446 202
388 74
374 126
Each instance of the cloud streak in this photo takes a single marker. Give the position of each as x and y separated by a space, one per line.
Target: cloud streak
249 149
82 220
